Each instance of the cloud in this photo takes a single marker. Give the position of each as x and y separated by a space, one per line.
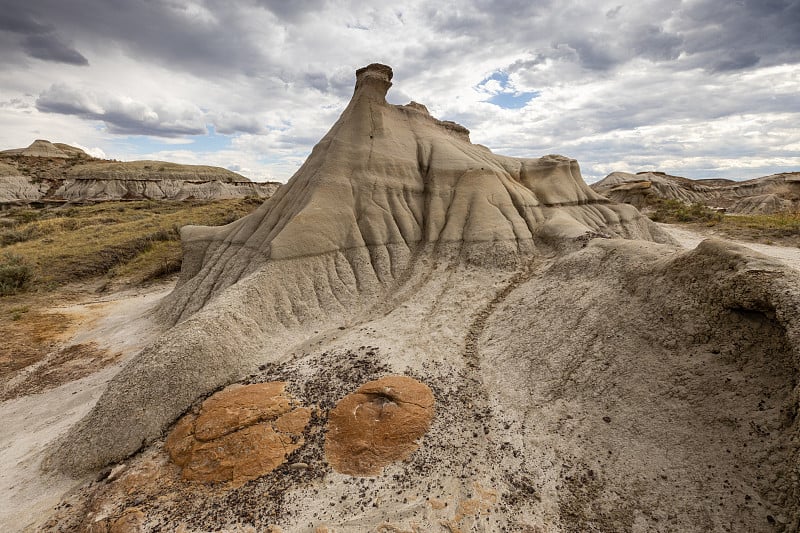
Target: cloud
633 83
123 115
94 151
40 41
229 123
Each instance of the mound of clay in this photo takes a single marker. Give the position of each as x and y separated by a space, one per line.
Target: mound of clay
378 424
770 194
240 433
386 191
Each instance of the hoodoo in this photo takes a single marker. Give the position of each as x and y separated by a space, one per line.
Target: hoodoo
386 185
389 181
580 371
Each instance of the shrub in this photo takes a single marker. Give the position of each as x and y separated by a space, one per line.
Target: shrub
15 234
15 274
677 211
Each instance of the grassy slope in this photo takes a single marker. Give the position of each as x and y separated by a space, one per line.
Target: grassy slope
780 228
69 251
134 241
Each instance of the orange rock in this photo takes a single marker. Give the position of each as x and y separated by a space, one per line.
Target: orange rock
293 422
240 406
241 433
378 424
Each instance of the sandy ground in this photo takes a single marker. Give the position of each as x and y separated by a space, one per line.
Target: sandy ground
689 239
117 322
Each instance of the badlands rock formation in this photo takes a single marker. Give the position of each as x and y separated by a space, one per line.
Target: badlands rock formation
769 194
55 173
585 373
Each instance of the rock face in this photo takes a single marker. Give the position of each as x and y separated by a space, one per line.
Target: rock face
47 173
240 433
388 181
388 187
581 382
42 148
770 194
377 425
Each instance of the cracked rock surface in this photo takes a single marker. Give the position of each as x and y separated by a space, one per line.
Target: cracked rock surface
378 424
240 433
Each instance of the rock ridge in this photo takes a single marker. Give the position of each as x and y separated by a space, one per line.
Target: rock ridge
48 173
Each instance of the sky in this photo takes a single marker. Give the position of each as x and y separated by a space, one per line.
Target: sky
696 88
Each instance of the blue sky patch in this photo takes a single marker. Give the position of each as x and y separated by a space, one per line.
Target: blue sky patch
502 92
142 144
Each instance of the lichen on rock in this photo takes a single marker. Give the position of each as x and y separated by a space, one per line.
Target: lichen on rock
240 433
378 424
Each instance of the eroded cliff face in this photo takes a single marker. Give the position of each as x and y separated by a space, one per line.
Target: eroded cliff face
769 194
52 173
389 181
527 354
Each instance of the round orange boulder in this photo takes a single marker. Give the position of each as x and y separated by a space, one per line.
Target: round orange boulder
240 433
378 424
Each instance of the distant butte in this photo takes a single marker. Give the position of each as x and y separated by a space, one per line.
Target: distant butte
48 173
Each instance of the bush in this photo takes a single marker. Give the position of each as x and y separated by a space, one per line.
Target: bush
16 234
15 274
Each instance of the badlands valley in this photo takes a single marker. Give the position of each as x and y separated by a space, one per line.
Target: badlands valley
414 334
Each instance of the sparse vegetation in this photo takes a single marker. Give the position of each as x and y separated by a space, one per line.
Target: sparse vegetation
15 274
779 228
126 241
672 211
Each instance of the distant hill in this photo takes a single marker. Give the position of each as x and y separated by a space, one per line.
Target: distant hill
769 194
52 173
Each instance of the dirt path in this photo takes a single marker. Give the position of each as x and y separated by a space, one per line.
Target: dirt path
690 238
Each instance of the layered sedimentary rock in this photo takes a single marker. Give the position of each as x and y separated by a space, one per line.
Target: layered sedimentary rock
55 173
770 194
580 383
43 148
388 180
388 188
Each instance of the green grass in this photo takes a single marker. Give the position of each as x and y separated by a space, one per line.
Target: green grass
672 211
778 228
138 241
15 274
781 223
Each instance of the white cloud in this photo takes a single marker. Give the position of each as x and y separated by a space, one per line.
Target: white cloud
94 151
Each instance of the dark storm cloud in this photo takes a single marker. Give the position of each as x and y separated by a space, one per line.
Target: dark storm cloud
293 10
206 41
38 40
652 42
723 35
593 52
716 35
123 116
49 47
